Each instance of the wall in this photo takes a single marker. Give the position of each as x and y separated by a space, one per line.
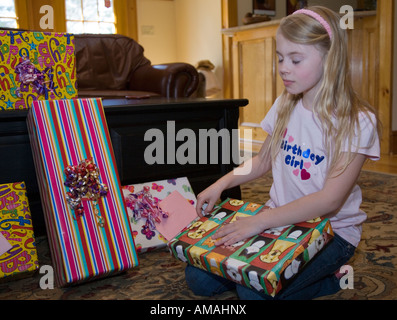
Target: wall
181 31
156 29
199 33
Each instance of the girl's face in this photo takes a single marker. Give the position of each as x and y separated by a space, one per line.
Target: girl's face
301 67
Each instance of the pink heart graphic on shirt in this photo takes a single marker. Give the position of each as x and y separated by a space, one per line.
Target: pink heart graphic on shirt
305 175
307 165
296 172
290 139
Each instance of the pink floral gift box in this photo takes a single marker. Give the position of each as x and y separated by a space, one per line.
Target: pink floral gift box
146 236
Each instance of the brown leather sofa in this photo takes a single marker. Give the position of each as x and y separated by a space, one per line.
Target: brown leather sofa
111 65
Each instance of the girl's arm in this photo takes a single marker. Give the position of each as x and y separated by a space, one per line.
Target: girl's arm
250 170
329 200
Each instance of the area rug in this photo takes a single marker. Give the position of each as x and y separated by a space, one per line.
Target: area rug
161 277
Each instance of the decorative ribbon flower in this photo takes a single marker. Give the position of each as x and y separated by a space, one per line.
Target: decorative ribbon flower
143 205
29 75
83 183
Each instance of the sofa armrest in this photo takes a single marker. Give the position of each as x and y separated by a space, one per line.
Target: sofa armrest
171 80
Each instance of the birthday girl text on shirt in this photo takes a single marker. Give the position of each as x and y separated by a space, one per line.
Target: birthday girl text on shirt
300 159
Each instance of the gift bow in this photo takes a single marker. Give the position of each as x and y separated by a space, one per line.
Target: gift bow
143 205
83 183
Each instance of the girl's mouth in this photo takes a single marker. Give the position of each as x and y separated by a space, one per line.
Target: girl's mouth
287 83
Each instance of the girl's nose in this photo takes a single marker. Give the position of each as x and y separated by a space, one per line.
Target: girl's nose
283 70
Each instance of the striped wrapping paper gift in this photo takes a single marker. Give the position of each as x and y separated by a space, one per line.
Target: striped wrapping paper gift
63 133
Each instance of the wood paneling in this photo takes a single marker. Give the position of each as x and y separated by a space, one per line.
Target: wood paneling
364 58
385 34
126 18
255 76
251 83
394 143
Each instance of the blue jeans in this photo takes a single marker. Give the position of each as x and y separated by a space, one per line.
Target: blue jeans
316 279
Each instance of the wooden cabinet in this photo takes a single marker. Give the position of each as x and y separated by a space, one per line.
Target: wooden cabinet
255 74
251 62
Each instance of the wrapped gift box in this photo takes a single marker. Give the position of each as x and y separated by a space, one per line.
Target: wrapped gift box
16 230
266 262
36 66
146 240
89 232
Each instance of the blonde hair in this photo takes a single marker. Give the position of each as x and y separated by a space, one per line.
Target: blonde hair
336 99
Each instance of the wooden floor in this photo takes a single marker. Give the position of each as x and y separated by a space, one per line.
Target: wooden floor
386 164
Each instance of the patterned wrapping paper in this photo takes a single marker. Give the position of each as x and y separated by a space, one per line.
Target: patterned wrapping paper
62 133
49 54
266 262
147 241
16 226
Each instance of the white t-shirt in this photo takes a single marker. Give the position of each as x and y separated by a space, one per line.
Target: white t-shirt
301 167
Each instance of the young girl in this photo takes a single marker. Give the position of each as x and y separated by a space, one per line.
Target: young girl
319 135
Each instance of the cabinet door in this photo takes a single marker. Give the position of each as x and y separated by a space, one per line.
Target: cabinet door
364 58
255 78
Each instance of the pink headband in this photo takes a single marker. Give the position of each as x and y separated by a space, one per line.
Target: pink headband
318 18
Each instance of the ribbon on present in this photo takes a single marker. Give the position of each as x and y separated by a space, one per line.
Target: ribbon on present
143 205
83 183
29 75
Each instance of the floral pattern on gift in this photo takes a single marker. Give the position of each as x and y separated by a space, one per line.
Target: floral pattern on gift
145 232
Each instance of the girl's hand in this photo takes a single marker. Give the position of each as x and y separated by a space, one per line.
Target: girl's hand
240 229
209 196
